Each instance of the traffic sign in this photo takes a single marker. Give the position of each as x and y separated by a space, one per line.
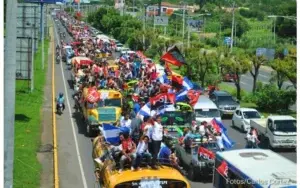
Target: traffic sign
161 20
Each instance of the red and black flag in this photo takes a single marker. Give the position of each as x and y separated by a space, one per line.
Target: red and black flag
174 57
177 81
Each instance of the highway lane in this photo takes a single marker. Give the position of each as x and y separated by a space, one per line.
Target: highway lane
76 167
74 148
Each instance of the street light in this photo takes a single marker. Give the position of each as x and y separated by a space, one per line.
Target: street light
276 16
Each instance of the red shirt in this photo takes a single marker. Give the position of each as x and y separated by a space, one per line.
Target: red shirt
128 145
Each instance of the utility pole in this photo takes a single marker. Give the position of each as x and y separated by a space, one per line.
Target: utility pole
42 34
32 60
235 34
144 26
183 22
189 36
9 91
275 30
232 27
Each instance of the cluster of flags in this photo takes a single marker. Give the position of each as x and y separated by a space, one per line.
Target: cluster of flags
220 128
182 84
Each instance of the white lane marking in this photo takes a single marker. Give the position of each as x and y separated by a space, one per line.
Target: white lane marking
72 123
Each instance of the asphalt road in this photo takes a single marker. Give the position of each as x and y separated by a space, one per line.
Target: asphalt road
264 77
76 168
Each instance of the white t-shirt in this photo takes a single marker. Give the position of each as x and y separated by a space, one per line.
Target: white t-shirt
251 138
220 142
126 123
149 130
157 133
142 147
202 130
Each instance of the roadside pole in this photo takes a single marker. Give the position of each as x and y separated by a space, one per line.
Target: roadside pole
232 27
189 36
9 91
165 30
42 34
32 61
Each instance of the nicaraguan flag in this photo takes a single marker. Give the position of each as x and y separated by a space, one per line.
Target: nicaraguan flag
187 84
227 142
164 79
162 109
181 96
111 133
145 110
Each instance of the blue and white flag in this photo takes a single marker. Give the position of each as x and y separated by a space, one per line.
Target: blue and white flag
227 142
111 133
181 96
162 109
164 79
145 110
187 84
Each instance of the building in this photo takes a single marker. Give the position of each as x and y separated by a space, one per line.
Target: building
119 4
168 9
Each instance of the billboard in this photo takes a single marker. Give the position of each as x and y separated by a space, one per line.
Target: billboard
227 41
194 25
161 20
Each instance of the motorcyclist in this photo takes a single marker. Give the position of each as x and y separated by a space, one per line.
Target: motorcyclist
60 100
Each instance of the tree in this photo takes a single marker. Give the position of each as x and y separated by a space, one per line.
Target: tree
291 70
201 63
237 64
254 71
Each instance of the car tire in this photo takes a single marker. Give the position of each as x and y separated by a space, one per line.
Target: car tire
243 128
232 124
269 146
88 131
191 173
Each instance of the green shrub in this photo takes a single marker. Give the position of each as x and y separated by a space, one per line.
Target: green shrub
270 99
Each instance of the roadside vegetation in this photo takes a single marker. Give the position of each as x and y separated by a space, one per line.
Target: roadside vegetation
208 58
28 125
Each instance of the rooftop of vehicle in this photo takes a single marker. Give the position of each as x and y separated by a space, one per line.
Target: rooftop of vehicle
281 117
221 93
164 172
247 109
205 103
261 165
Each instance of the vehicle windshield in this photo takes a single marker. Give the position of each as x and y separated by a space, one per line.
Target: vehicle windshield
162 183
251 115
119 45
176 118
285 125
207 113
225 98
113 102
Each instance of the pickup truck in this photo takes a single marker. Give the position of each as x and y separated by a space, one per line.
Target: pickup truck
279 131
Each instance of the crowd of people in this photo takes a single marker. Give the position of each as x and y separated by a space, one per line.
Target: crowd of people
144 140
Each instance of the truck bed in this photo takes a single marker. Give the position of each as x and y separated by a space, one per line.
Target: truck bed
259 124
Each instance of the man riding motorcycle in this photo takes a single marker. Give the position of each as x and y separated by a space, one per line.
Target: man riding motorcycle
60 100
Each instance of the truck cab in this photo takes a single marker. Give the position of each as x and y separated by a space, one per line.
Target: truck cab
279 131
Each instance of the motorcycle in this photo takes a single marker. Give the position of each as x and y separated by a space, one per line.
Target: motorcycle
59 108
57 59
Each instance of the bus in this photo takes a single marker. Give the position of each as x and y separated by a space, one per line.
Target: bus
253 168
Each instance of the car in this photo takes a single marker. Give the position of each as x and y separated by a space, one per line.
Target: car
119 47
225 102
242 116
206 110
199 162
229 77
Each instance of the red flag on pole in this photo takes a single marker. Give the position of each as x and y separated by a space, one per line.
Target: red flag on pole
174 57
193 96
223 169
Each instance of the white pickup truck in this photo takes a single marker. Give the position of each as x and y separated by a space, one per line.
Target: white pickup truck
279 131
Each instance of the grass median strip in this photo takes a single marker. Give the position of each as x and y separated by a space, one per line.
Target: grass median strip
28 108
